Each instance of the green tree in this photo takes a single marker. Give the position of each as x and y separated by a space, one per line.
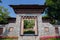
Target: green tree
0 1
53 9
29 23
4 14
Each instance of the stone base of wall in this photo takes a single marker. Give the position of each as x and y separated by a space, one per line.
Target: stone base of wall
13 37
8 38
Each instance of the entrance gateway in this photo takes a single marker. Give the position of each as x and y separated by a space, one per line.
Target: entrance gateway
29 21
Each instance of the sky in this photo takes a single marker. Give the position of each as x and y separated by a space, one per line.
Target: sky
6 3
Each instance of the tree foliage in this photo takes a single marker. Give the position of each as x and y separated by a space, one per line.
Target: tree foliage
4 14
0 1
53 9
29 23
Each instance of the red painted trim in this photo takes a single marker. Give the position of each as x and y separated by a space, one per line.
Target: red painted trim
50 37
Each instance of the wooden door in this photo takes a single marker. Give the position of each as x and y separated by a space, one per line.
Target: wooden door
56 30
1 31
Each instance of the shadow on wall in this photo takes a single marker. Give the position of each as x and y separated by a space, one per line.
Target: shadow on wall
6 32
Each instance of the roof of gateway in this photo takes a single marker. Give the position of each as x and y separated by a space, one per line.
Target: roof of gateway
11 20
30 8
14 19
25 6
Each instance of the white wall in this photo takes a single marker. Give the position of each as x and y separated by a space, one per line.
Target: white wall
16 28
39 26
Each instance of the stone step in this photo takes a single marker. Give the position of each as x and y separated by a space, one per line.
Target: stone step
27 38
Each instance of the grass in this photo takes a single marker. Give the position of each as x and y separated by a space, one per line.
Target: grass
6 39
54 39
50 38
